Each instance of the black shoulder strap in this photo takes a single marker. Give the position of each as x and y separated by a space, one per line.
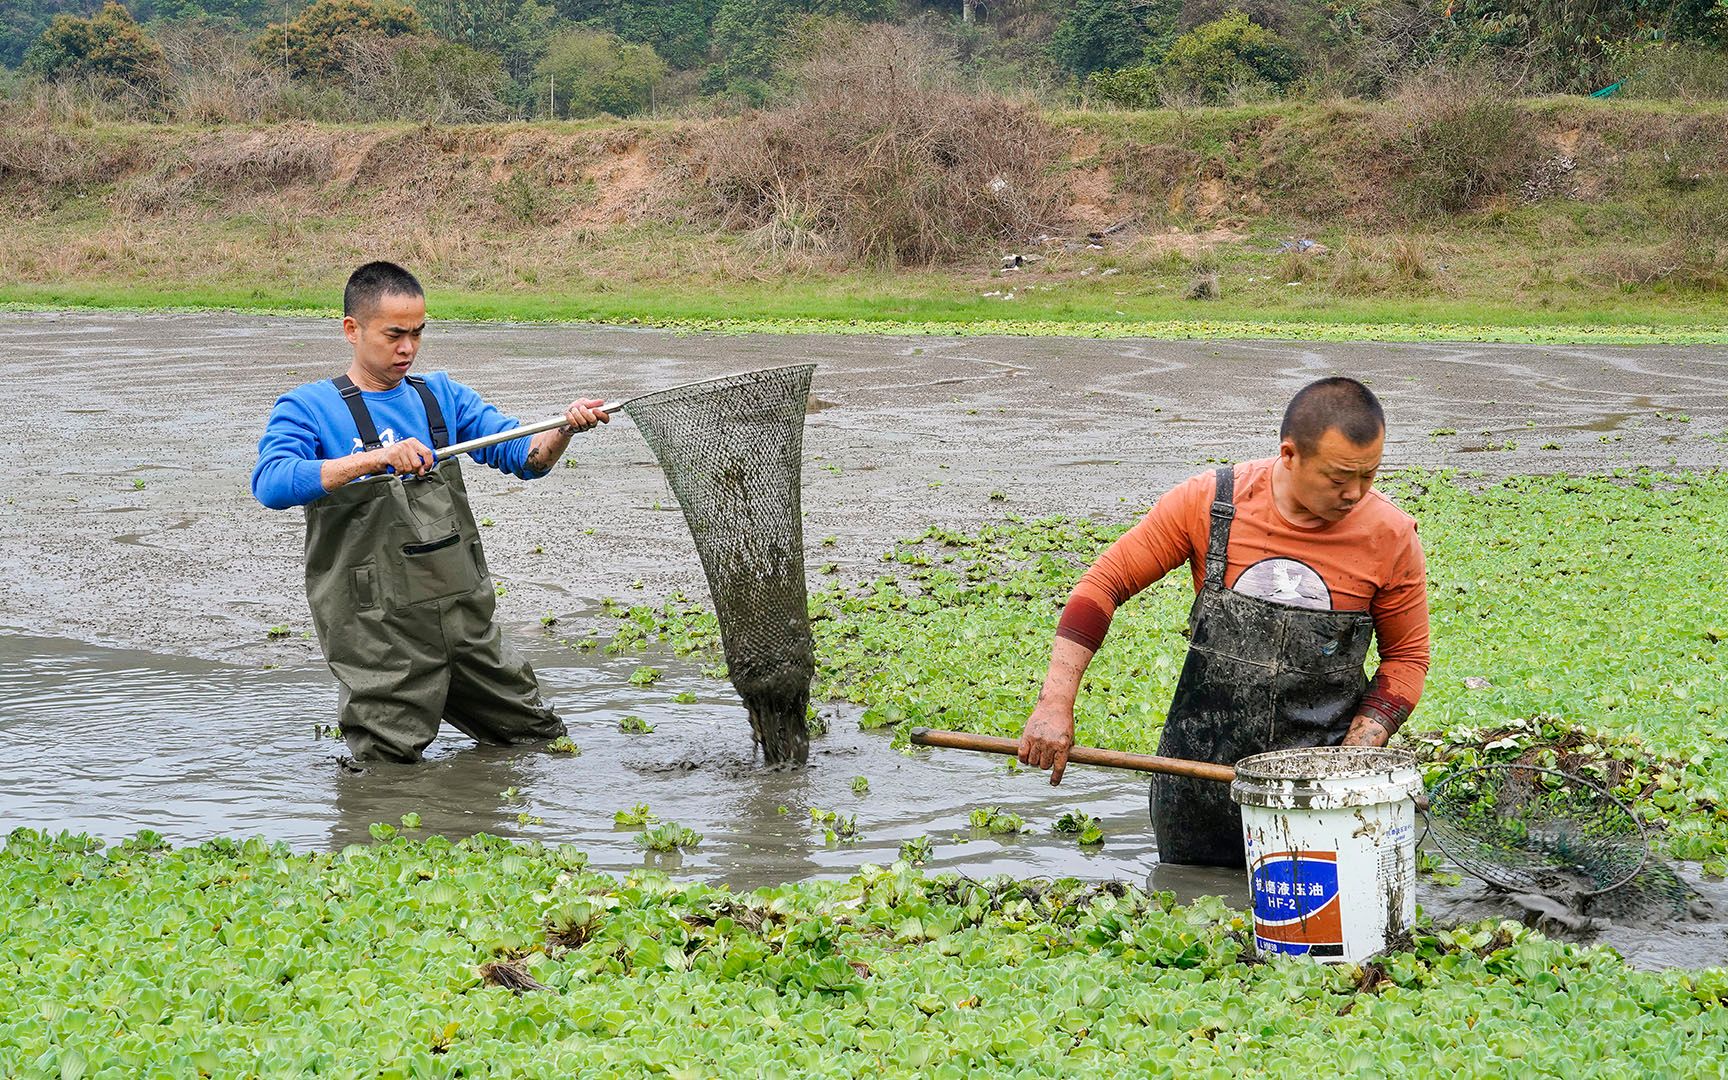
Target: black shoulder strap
434 415
357 406
1223 513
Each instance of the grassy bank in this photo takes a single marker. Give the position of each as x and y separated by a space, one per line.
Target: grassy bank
1606 226
244 959
1586 605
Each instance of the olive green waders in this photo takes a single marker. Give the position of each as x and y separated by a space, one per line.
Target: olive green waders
403 606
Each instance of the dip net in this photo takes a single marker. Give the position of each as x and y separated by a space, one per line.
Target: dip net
732 450
1534 830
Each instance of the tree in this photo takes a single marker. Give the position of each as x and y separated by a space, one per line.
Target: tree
109 46
22 22
515 31
1097 35
312 45
677 29
746 46
1218 57
588 72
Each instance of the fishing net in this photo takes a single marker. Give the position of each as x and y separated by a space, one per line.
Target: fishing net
1534 830
731 450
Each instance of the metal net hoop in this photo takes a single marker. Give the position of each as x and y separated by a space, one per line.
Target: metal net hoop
1531 829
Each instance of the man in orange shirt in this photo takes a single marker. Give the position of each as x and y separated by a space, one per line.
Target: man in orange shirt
1298 563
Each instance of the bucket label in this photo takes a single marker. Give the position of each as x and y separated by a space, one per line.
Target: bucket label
1296 905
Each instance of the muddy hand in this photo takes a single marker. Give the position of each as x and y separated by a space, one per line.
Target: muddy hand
1045 742
583 414
410 457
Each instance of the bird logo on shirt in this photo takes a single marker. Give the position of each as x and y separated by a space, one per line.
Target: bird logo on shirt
1285 581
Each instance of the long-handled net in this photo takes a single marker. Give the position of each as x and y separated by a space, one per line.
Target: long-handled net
731 449
1534 830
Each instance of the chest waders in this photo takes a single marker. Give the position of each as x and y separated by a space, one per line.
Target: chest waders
403 606
1259 676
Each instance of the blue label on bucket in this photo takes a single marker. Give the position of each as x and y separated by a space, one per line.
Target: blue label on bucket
1296 903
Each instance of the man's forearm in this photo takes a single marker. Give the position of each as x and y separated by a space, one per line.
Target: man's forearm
1068 660
338 471
1367 730
546 449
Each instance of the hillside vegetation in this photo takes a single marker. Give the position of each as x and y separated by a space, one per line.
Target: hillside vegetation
908 204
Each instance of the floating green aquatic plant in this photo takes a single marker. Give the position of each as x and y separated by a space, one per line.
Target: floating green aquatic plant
996 821
669 836
631 724
1082 826
245 958
639 814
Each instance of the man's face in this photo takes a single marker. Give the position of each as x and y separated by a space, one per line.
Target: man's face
387 338
1335 476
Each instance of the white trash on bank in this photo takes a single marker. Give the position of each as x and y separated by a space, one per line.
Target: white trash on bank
1330 833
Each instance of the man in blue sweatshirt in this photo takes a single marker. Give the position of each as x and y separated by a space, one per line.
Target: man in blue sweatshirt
395 575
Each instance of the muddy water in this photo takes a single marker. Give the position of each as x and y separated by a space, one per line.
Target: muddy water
129 439
111 741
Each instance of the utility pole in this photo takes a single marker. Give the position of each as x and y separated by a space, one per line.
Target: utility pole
966 10
552 95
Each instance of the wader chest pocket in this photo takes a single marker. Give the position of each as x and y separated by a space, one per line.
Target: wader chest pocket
436 569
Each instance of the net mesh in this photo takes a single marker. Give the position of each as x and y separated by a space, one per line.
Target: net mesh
1535 830
731 450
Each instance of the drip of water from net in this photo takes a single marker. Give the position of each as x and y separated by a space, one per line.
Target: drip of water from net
732 450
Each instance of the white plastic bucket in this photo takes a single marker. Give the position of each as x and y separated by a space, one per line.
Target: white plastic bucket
1330 833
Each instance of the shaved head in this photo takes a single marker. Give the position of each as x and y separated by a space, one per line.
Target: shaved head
1337 404
370 284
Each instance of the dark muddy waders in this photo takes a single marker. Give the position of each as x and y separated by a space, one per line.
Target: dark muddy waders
403 607
1259 676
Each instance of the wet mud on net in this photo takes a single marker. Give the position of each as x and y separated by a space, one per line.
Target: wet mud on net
731 450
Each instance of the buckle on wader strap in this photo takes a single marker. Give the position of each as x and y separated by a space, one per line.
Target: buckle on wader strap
1223 513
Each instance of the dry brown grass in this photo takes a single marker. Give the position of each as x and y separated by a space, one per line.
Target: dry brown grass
1373 266
1454 139
880 160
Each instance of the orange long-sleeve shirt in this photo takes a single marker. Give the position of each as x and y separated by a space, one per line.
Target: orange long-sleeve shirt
1370 561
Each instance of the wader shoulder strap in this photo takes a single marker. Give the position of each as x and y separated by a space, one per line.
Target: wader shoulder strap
1223 513
357 407
434 415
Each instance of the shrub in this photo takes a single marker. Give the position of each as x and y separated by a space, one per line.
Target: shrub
881 159
1453 140
313 45
1671 71
589 72
1139 87
1221 60
107 48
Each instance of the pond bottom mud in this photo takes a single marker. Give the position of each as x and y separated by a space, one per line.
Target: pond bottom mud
112 742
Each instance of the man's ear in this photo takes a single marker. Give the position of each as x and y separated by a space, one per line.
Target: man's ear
1287 453
351 329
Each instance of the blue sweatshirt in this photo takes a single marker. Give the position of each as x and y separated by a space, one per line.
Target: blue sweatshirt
311 424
